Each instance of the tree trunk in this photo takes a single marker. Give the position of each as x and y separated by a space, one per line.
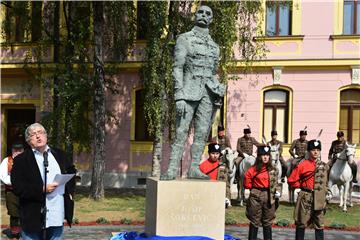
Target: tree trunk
56 136
157 154
97 182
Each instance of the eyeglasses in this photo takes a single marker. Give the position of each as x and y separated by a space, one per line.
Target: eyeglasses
33 134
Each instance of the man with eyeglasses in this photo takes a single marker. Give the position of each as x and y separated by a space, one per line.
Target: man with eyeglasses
28 175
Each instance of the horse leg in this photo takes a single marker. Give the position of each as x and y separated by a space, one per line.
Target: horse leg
350 194
346 191
340 187
241 193
238 189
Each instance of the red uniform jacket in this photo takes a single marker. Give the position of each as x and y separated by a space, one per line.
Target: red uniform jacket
207 166
303 175
254 179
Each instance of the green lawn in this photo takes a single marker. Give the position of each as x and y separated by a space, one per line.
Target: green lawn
129 207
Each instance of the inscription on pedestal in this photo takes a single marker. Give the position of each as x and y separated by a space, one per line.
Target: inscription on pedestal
185 208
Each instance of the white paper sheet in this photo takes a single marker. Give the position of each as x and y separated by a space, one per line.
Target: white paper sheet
60 179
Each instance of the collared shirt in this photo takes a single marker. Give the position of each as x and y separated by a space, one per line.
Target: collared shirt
303 175
255 179
4 173
54 205
207 166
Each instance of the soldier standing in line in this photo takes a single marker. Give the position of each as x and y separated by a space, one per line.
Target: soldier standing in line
299 145
338 146
311 175
274 141
261 178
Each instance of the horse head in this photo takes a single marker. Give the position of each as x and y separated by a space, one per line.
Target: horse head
230 157
274 152
350 151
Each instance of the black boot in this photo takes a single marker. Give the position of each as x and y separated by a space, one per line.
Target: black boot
267 233
354 172
300 234
319 234
252 232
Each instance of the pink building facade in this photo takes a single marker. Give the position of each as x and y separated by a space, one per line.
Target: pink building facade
310 77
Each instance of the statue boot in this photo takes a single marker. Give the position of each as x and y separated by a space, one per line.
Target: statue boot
194 170
176 155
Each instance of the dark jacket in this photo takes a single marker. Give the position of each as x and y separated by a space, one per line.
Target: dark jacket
28 185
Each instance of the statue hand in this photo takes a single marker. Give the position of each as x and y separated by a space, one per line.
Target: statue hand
180 107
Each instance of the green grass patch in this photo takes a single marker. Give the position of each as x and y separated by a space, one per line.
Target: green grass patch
129 208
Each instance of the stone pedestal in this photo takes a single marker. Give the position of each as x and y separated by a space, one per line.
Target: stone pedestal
185 208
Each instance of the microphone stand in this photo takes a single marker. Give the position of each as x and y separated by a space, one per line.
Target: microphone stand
46 164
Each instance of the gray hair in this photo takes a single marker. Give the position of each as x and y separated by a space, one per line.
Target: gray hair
31 127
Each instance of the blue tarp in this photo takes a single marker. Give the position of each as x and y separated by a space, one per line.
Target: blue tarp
142 236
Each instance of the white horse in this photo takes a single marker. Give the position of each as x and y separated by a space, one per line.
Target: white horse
230 156
245 164
340 174
275 158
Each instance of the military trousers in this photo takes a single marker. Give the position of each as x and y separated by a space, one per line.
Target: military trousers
223 175
201 113
305 215
12 205
259 211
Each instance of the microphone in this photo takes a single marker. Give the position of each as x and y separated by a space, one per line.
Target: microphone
46 162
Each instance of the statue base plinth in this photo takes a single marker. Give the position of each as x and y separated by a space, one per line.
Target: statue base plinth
185 208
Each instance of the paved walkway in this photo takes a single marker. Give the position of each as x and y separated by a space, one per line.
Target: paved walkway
104 233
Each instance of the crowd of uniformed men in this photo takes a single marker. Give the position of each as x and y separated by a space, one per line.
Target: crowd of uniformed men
308 173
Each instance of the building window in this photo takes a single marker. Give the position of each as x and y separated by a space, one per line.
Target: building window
142 18
351 23
141 126
276 114
23 21
278 18
350 114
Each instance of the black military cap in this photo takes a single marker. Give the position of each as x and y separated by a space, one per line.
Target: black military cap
220 128
247 130
273 133
314 144
303 132
213 147
340 134
17 145
263 150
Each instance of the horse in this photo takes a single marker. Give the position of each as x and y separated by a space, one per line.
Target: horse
229 157
275 158
340 174
245 164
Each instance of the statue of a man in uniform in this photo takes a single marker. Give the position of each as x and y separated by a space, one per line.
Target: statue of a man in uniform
196 91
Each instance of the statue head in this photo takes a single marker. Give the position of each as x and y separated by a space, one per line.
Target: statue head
203 16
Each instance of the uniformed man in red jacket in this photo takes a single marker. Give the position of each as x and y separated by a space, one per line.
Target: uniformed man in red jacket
211 166
311 175
261 178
